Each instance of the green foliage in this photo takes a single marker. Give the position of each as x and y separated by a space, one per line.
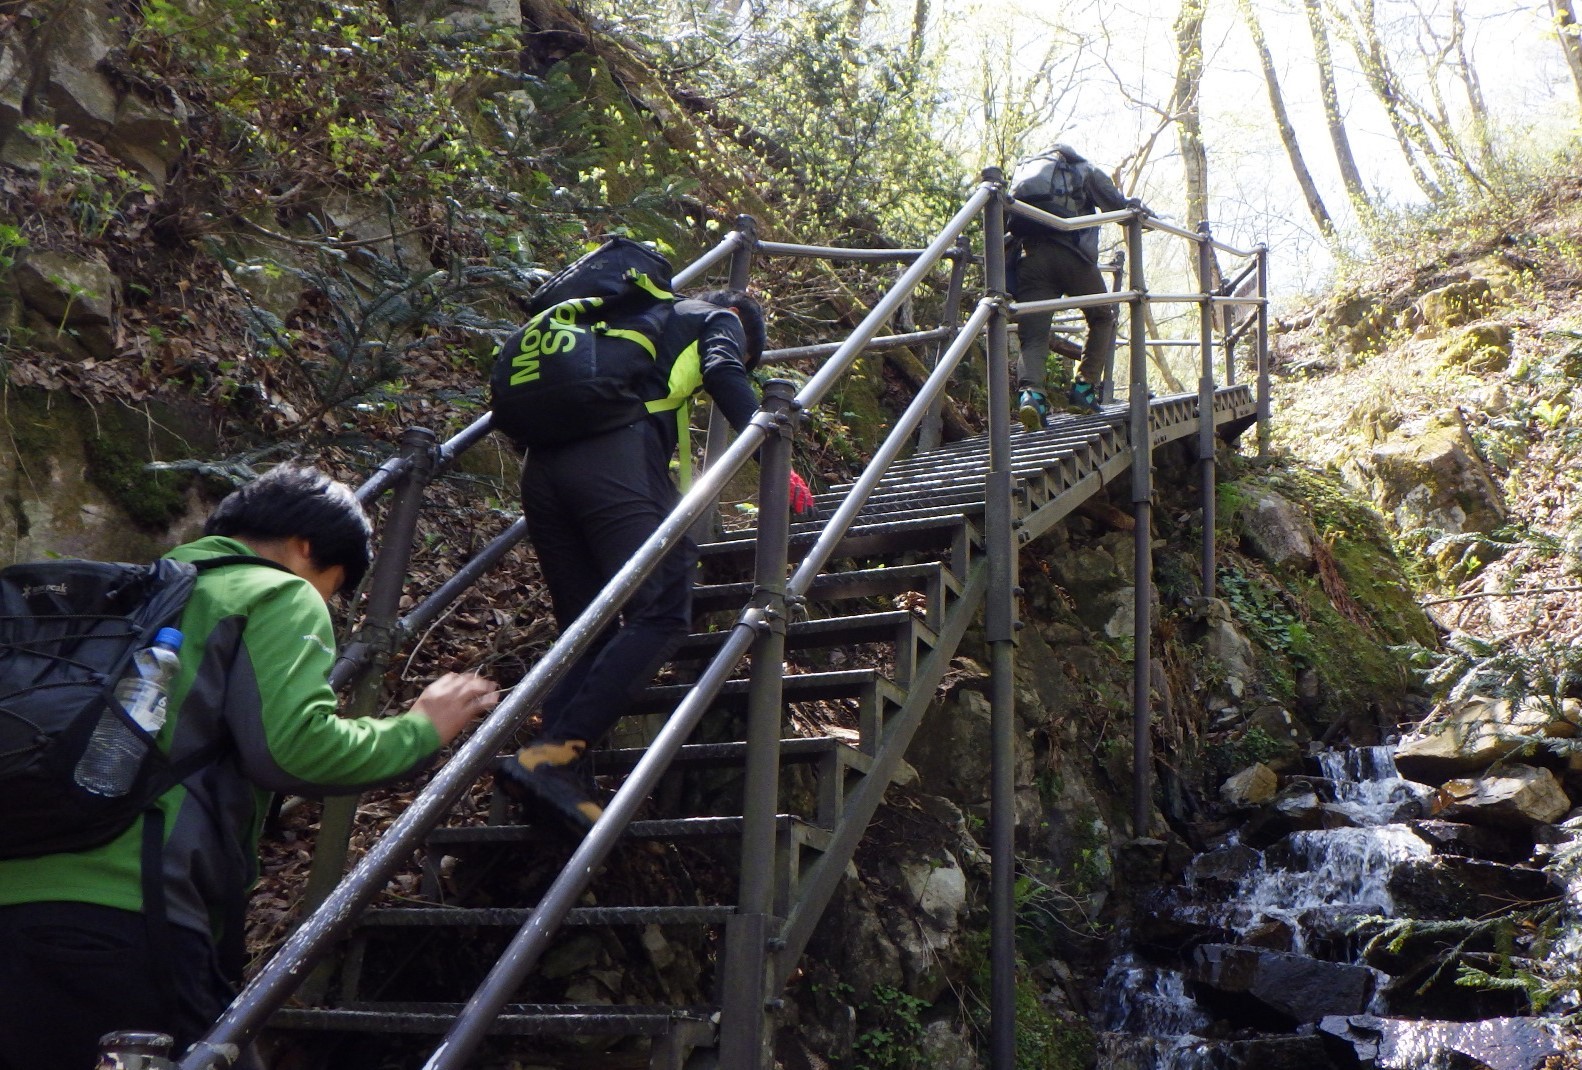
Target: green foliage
92 200
838 108
1266 616
151 498
891 1041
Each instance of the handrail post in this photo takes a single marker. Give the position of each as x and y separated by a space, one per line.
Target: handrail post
1142 541
1116 266
1263 350
379 635
716 438
743 1036
1205 404
1000 631
931 432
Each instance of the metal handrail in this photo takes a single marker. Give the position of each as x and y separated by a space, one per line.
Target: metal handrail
274 984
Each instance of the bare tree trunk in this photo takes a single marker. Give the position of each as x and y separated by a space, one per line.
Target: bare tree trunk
1440 52
1414 141
918 45
1184 103
1570 35
1282 121
1337 123
1477 107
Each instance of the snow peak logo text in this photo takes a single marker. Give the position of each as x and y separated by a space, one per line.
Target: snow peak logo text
44 588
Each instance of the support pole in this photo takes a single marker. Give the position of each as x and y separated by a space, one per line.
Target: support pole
1116 266
1205 404
1263 350
744 1038
1142 542
1000 631
717 437
379 633
931 432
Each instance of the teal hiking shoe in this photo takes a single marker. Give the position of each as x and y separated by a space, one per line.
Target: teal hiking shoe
1083 395
1032 410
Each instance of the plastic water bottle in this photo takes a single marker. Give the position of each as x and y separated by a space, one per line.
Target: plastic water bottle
110 762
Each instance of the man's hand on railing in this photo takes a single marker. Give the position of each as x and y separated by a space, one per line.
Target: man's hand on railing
801 498
454 701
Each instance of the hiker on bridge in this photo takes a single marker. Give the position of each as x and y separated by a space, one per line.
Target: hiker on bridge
85 947
1050 263
590 503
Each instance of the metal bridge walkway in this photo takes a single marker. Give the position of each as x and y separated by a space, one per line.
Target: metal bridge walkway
902 562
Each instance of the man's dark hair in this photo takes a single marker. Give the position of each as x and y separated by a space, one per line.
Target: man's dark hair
751 314
291 500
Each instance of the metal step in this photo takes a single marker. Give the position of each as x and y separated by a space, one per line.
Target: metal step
863 684
955 529
515 1019
901 628
683 828
516 917
834 761
931 579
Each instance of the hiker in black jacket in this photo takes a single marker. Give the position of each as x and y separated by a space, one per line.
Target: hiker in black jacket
590 504
1063 263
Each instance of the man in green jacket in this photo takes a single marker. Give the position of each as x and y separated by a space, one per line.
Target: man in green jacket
81 953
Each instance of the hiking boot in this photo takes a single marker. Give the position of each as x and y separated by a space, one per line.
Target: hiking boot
543 777
1032 410
1083 395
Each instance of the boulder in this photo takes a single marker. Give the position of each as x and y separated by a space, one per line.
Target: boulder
147 137
1473 734
1456 304
1520 796
1124 1051
74 295
1481 349
1255 985
1449 887
1433 477
80 35
938 888
1253 786
1473 841
1396 1044
1276 532
1288 735
15 72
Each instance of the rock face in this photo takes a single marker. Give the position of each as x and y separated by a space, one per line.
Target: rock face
1519 796
1493 1044
1470 735
1433 477
1252 786
1276 532
1295 988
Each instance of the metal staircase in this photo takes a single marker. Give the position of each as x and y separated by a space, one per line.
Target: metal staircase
904 560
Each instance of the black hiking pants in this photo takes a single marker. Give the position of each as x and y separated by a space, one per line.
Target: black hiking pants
589 505
72 972
1051 268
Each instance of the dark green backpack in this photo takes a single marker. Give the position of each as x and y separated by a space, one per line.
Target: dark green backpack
587 360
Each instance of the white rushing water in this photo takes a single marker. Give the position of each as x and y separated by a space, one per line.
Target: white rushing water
1312 877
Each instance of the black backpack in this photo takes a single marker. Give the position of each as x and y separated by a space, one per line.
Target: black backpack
585 362
68 630
1050 182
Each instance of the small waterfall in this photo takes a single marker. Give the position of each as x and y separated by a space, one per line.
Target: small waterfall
1299 891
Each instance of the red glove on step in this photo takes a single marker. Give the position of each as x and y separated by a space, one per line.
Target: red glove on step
801 496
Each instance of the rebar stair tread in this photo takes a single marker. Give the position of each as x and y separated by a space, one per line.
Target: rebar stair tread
825 632
837 586
516 917
515 1019
793 750
680 828
798 687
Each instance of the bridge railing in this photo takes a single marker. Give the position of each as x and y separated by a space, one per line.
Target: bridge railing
760 629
